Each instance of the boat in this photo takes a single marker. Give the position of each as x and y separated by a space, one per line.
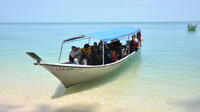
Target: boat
73 74
191 27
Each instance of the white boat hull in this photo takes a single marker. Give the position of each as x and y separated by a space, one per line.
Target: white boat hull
71 75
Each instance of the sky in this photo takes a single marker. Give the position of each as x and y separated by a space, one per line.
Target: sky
23 11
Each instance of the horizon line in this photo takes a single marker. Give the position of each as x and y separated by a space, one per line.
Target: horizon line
75 22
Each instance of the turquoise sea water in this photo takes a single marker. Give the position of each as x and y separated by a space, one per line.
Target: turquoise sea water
164 77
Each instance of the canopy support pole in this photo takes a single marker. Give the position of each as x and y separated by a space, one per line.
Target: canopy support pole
60 52
103 53
129 44
89 41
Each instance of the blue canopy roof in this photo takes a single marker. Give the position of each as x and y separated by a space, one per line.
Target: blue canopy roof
114 33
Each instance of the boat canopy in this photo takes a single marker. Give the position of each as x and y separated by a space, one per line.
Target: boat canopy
105 36
108 35
114 33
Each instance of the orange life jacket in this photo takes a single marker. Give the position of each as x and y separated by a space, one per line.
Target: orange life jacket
114 57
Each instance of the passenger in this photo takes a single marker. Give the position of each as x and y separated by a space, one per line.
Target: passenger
136 44
131 44
95 47
100 46
114 56
128 47
71 60
111 46
124 50
95 54
107 54
118 49
75 54
86 54
140 38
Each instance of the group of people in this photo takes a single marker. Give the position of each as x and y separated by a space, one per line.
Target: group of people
113 51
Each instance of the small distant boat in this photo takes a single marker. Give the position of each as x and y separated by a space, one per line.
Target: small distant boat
72 74
192 27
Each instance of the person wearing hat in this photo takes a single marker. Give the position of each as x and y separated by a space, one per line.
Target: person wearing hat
76 54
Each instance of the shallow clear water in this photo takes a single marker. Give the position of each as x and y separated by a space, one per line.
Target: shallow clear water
164 77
